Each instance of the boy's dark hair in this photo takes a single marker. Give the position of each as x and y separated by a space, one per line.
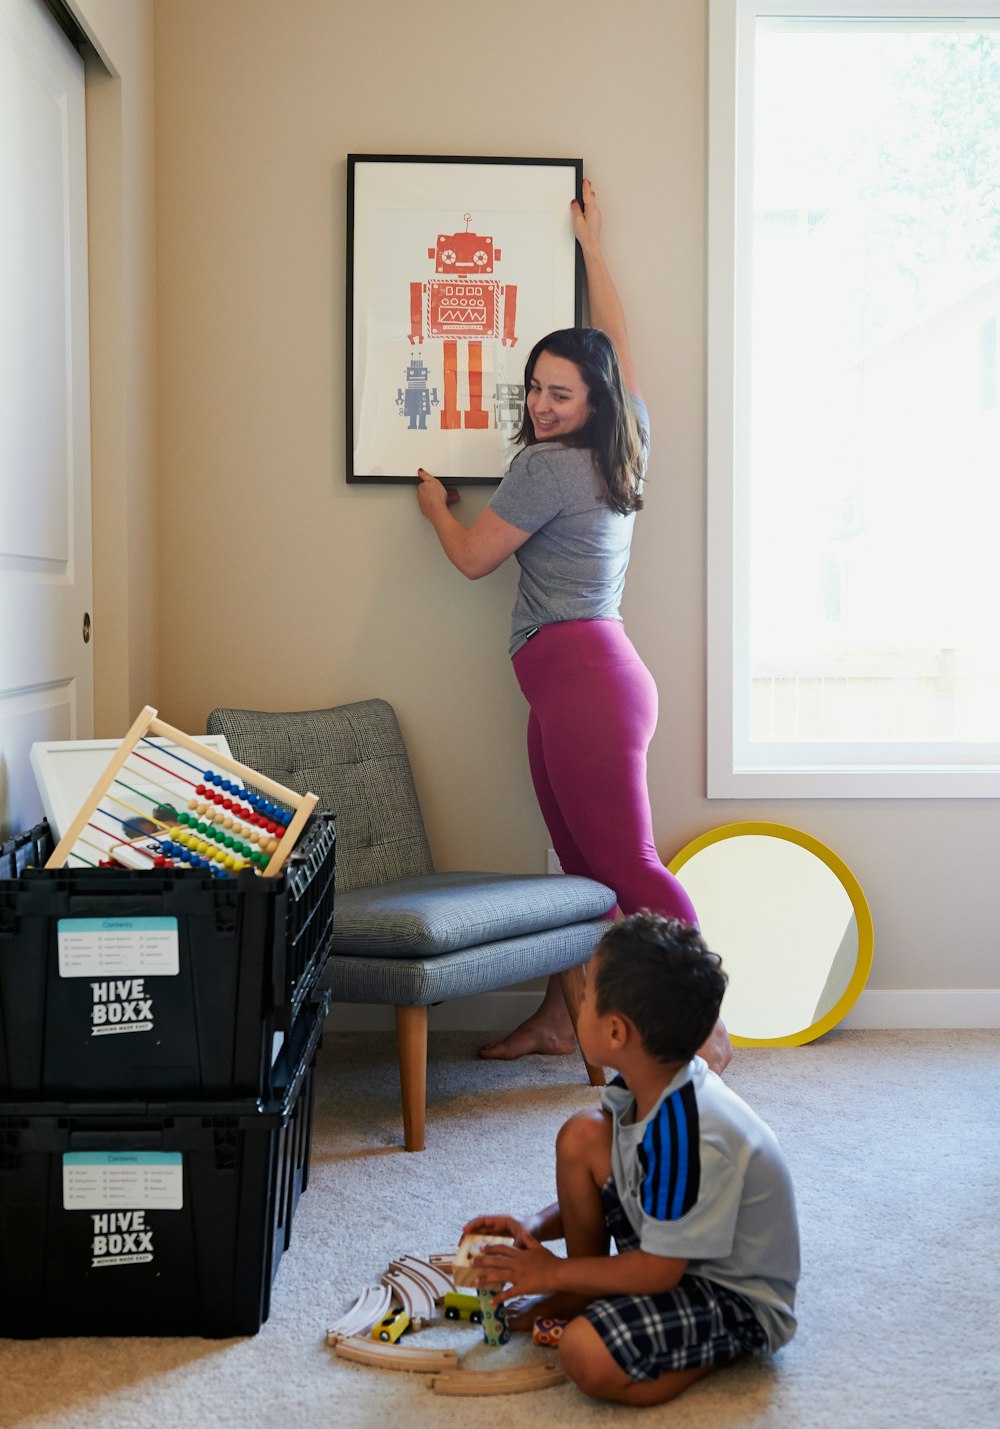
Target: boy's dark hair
659 974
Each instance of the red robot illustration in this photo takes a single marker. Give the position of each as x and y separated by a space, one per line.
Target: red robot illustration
463 305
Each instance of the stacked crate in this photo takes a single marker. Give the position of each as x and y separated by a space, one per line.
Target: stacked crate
158 1037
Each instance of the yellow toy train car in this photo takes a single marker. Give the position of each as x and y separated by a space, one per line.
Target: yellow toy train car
391 1326
458 1305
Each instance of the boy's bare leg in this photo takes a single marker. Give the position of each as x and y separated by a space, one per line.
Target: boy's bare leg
583 1164
589 1364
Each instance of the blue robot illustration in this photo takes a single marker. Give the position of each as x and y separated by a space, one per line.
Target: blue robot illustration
416 402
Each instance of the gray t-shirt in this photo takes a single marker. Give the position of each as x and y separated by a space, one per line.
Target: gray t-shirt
573 565
702 1178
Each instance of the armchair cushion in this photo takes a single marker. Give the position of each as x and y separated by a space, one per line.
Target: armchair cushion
446 912
419 982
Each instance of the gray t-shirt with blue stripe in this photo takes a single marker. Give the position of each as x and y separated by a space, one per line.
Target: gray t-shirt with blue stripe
702 1179
573 564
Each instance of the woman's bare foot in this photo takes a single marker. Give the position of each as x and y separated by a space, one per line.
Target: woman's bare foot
717 1049
548 1032
533 1036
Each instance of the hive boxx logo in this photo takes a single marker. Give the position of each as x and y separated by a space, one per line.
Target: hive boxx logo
120 1005
121 1238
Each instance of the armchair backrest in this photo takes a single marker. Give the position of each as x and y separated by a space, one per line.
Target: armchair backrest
353 757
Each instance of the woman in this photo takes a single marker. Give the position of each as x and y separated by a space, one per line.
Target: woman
566 509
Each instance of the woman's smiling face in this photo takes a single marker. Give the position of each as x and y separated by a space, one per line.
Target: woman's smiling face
558 399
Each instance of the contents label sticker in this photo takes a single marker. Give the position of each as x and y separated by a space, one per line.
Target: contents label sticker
118 947
123 1180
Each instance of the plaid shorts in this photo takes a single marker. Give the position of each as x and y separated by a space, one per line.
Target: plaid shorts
697 1323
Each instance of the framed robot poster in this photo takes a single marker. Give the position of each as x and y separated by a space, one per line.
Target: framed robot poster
455 268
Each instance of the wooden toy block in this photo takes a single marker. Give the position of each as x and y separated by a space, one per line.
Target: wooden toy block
469 1247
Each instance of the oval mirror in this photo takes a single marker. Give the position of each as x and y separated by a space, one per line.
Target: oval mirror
791 924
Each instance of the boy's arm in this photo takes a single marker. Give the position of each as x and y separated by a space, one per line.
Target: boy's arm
633 1272
533 1270
546 1224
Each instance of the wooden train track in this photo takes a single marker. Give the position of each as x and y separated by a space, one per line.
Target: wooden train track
418 1285
497 1381
402 1357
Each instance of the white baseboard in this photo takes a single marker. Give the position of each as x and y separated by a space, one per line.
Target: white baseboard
875 1010
929 1008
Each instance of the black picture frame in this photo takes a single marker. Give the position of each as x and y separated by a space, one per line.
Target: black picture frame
456 266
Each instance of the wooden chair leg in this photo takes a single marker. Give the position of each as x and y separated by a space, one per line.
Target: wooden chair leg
572 983
411 1044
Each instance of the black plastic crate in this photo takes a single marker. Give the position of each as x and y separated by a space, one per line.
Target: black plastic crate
159 982
153 1218
27 850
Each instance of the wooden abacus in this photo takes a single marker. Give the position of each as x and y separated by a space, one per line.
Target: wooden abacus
154 808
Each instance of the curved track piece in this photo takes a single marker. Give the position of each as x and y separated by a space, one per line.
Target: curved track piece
497 1381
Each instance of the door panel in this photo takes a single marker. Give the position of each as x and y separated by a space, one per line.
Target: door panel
46 668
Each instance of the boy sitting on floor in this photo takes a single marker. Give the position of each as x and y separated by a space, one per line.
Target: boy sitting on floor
688 1180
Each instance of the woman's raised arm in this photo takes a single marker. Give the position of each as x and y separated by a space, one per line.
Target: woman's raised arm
606 310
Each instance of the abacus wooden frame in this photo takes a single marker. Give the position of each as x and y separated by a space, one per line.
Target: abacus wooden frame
147 723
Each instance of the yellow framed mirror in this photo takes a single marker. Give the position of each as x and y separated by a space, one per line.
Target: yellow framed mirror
791 924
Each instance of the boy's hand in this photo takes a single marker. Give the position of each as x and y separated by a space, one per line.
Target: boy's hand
496 1225
525 1269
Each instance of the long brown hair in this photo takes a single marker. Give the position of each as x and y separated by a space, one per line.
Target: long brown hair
613 433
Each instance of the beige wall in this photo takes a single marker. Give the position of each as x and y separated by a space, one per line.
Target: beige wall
282 587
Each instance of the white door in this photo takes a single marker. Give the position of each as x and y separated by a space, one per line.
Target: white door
46 665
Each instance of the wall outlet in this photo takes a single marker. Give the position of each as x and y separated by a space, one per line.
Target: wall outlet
552 864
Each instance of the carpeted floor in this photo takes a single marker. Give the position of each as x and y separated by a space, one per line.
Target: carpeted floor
894 1144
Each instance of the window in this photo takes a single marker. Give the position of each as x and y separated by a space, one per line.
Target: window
854 435
988 364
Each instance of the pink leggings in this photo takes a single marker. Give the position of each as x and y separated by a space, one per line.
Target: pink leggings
593 713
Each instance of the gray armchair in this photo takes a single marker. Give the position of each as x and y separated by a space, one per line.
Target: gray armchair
404 935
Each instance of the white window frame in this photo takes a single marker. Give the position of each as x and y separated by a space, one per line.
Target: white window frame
783 770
